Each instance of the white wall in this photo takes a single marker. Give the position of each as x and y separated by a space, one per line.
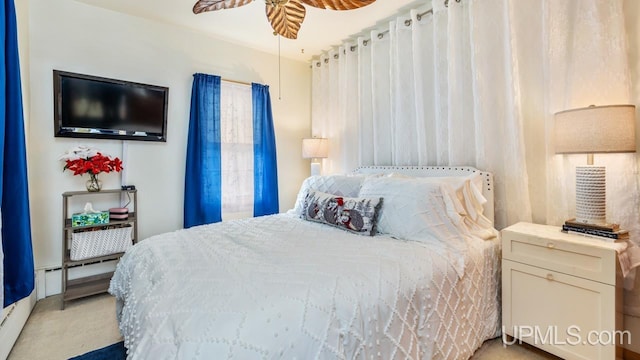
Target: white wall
13 319
72 36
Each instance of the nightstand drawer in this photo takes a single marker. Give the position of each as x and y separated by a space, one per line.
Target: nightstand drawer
546 247
562 309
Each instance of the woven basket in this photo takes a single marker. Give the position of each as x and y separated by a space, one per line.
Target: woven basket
89 244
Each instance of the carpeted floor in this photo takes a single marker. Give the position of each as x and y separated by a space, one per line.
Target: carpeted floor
89 324
53 334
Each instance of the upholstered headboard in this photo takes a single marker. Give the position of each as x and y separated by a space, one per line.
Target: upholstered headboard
435 171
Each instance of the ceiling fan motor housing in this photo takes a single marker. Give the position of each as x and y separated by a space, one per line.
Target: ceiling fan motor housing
276 2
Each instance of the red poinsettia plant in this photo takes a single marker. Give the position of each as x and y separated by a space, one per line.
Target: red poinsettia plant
94 165
85 160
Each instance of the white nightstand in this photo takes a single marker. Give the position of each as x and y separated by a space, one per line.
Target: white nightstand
564 289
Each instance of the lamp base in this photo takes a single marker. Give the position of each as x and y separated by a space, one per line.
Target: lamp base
591 206
316 168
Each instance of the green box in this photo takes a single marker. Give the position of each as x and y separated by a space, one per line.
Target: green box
98 218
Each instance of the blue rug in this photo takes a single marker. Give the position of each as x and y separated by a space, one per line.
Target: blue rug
112 352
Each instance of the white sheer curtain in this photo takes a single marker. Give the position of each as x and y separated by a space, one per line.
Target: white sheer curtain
439 88
236 124
587 64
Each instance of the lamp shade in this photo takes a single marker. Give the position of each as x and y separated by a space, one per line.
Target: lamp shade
595 129
315 148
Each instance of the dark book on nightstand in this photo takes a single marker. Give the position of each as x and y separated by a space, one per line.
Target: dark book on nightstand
603 227
618 235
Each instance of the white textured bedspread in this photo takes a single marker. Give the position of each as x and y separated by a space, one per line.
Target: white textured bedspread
278 287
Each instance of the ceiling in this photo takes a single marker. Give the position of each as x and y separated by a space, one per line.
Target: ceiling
248 25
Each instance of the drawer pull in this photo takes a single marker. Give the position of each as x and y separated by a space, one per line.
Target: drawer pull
551 245
550 277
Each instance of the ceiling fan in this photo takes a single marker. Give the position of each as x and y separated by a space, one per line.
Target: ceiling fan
285 16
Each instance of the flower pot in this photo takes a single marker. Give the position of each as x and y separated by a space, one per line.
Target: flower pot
94 184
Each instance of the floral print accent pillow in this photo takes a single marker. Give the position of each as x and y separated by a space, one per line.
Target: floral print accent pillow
356 215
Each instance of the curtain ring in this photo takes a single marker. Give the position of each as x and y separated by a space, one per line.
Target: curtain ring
326 60
419 17
344 51
318 64
408 22
380 36
353 48
446 3
335 56
365 42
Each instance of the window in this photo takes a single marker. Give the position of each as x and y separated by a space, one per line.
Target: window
236 126
231 165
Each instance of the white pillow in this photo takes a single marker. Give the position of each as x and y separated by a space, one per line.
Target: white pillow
468 189
414 209
465 196
342 185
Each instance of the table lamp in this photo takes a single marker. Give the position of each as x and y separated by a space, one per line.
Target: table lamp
589 130
315 149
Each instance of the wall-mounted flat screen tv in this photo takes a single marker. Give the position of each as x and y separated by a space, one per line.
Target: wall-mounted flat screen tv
93 107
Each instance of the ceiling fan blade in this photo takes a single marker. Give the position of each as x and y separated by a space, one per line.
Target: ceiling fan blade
338 4
286 18
211 5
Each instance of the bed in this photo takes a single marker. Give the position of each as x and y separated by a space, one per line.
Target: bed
284 287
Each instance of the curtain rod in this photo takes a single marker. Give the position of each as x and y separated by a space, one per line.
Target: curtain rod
406 23
237 82
381 34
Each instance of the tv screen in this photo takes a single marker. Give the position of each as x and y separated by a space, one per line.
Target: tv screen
94 107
